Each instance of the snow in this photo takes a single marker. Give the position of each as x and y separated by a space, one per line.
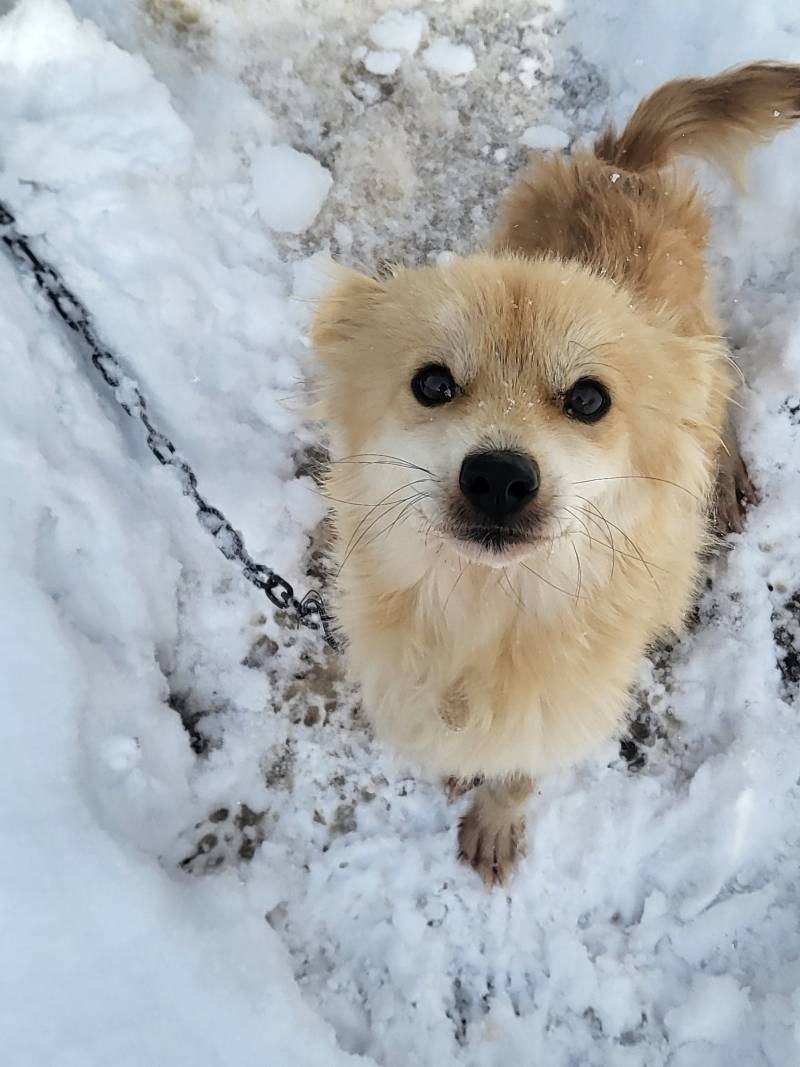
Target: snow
449 59
382 62
715 1009
206 859
399 31
544 138
290 187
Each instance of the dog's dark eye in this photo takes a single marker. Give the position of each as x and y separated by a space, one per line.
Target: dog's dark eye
433 385
587 400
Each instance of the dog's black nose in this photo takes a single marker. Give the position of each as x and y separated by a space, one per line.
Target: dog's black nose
499 483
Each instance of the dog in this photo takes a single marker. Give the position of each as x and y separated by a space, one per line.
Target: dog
528 449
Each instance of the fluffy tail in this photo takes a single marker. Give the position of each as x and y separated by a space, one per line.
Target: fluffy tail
720 119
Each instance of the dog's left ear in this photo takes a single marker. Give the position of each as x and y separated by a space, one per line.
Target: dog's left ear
345 308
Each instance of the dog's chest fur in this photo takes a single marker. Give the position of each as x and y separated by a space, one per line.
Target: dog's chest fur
478 671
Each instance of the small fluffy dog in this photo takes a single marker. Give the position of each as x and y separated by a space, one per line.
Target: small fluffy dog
525 447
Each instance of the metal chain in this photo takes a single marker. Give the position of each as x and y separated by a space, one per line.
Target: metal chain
310 610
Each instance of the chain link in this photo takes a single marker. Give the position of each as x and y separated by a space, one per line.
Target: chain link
310 610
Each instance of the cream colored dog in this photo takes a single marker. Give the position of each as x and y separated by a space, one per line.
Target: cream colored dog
525 446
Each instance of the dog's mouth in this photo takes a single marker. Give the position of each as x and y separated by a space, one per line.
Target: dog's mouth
494 545
493 538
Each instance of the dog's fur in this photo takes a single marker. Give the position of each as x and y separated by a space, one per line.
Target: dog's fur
507 665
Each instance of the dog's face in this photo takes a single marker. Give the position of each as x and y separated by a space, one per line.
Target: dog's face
504 405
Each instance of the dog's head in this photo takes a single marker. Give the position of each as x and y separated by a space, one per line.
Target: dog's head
503 404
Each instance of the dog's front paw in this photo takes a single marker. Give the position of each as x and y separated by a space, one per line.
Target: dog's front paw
734 491
493 846
456 788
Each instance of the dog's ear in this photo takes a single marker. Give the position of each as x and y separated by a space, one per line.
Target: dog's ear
345 308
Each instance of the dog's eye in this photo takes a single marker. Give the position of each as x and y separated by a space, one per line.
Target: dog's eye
433 385
587 400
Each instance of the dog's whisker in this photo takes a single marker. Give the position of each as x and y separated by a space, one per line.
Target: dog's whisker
377 463
385 501
593 518
455 583
499 585
354 543
576 518
354 537
553 537
516 596
628 540
410 505
406 505
584 529
593 513
377 457
566 592
637 477
359 503
365 534
584 532
580 571
386 511
622 554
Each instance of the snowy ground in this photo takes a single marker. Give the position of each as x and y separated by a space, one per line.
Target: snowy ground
206 860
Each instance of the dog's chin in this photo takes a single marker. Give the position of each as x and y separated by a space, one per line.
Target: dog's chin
492 548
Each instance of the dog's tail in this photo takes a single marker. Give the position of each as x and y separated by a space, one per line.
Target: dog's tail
719 119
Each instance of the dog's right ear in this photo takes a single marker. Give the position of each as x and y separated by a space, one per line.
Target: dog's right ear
344 308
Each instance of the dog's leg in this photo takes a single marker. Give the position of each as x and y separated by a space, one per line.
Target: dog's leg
734 490
491 836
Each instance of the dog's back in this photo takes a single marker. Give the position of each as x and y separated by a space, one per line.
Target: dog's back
623 211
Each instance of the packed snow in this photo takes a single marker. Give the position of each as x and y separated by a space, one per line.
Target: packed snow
399 30
382 62
448 58
544 138
206 858
290 187
715 1009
